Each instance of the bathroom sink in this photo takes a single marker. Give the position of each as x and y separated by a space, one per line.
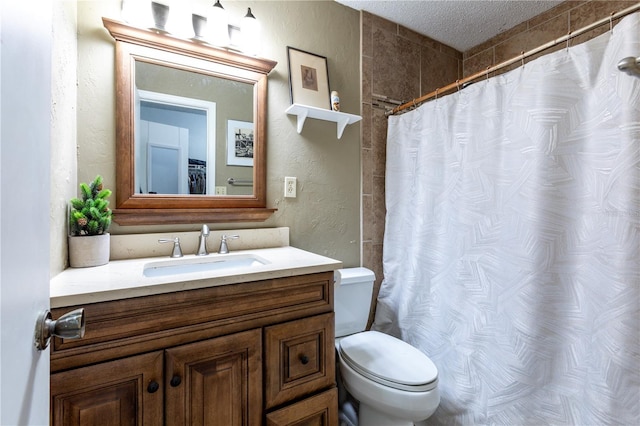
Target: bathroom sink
213 263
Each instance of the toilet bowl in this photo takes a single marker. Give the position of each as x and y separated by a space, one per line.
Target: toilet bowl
394 383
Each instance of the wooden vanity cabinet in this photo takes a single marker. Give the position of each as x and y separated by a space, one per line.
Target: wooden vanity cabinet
242 354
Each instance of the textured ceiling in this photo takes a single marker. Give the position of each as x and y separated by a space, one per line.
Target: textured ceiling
461 24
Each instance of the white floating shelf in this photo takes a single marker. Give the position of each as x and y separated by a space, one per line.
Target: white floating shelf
340 118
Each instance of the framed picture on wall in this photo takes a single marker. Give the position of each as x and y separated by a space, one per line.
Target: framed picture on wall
239 143
308 79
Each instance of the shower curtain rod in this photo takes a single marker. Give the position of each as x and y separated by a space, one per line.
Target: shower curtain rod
521 57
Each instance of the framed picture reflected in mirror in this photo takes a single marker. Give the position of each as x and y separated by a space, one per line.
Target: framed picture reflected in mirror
239 143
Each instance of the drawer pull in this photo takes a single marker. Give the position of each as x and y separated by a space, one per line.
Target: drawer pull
304 359
153 387
175 381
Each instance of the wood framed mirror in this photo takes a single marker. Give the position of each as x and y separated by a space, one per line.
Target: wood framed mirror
190 130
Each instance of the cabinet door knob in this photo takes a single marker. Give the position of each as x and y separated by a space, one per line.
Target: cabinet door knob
304 359
175 381
153 387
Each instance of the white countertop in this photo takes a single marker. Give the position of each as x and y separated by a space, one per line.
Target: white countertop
122 279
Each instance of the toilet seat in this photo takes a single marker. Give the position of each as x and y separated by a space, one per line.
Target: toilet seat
389 361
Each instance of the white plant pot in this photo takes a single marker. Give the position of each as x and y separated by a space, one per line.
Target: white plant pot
89 250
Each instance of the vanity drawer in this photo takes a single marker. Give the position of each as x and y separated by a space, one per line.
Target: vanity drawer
299 358
321 410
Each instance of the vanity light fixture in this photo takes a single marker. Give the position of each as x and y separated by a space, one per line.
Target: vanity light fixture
250 33
213 25
219 25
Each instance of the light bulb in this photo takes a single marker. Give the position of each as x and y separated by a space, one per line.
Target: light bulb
179 23
218 25
250 32
136 13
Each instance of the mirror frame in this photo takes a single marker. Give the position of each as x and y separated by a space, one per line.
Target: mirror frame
132 208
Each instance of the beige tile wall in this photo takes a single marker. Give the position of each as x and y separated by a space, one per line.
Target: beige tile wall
546 27
400 64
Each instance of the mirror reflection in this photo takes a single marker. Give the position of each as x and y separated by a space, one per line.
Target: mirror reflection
194 132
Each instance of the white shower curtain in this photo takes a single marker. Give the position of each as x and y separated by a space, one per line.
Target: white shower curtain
512 242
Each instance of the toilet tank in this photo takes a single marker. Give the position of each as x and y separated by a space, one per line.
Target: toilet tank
352 299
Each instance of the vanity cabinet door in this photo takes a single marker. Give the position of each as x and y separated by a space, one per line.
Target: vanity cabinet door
299 358
215 382
125 392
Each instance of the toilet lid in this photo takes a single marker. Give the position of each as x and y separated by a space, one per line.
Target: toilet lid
388 360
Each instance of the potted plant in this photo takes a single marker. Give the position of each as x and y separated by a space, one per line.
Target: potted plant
89 220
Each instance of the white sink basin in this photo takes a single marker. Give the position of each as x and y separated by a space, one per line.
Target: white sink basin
218 263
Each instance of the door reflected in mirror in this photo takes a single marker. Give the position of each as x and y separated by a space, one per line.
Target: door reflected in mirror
194 132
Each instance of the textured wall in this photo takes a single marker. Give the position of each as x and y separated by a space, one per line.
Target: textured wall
325 217
63 128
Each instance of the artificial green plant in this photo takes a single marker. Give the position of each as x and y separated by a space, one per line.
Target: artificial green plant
90 214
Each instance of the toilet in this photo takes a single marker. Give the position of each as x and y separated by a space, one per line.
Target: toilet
394 383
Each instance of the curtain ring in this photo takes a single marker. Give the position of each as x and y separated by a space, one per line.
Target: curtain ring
522 53
488 68
437 92
414 103
458 84
568 39
611 22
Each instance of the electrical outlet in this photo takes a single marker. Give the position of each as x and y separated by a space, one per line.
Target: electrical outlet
221 190
290 187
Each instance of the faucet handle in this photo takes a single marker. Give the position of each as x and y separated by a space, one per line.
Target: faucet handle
224 249
177 251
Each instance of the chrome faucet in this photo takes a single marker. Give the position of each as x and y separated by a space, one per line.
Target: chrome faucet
177 251
202 246
224 249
